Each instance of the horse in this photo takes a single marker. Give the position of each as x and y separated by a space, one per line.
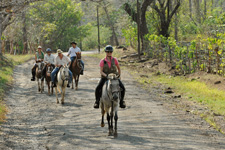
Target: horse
49 69
110 97
39 68
76 69
62 81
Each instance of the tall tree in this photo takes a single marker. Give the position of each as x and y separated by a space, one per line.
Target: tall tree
143 23
165 15
7 9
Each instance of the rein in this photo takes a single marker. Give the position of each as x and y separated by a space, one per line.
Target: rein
63 79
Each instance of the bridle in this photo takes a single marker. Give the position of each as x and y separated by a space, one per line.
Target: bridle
110 93
66 77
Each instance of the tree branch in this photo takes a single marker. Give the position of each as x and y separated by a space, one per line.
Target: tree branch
131 12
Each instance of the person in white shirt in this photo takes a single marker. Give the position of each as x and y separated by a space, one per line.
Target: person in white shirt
48 59
72 53
60 60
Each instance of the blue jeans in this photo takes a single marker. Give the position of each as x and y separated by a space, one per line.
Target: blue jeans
54 72
73 58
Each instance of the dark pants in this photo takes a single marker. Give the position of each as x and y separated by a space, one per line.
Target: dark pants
98 90
33 70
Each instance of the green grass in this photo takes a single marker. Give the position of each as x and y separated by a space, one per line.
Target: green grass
7 64
199 91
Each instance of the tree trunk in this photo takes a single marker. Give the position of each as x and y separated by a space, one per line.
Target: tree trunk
111 24
1 20
176 27
190 8
198 13
25 45
205 9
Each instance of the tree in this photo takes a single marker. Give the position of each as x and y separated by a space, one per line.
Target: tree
133 14
8 8
165 14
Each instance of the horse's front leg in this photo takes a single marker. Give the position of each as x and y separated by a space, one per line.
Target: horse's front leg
57 101
77 80
103 113
63 95
109 124
72 81
48 88
39 89
42 86
115 118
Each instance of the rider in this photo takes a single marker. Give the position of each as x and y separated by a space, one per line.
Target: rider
108 65
48 59
72 53
39 56
60 60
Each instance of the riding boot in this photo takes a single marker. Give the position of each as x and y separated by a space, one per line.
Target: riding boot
33 76
68 85
122 104
53 84
82 72
96 105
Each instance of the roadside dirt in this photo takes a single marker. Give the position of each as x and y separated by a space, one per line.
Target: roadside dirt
36 122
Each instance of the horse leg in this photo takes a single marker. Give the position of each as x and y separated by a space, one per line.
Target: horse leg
39 89
72 82
48 87
42 86
57 101
115 118
51 87
103 113
63 94
77 80
111 117
109 125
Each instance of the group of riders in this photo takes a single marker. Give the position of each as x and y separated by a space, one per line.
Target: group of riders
108 65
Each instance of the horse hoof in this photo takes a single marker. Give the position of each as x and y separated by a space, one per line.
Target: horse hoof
57 102
76 88
110 134
62 103
115 134
102 125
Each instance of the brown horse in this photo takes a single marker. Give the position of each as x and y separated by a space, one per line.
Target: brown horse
76 69
39 68
49 69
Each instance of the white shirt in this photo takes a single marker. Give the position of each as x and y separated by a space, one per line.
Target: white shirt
64 61
72 51
49 59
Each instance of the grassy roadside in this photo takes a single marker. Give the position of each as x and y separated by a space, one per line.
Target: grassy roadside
194 91
7 63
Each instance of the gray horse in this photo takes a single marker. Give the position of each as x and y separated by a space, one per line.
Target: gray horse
63 79
109 99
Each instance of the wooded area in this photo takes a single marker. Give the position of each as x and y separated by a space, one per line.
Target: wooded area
164 26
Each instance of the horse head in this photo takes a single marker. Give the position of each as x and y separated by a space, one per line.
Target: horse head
113 86
65 73
49 69
40 66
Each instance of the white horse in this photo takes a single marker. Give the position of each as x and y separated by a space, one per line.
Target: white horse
109 99
62 81
40 66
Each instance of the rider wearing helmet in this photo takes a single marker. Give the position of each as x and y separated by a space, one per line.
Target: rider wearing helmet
108 65
48 59
39 56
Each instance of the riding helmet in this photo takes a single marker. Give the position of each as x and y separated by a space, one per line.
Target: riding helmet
108 48
48 50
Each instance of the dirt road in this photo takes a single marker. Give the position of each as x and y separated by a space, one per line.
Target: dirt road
36 122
